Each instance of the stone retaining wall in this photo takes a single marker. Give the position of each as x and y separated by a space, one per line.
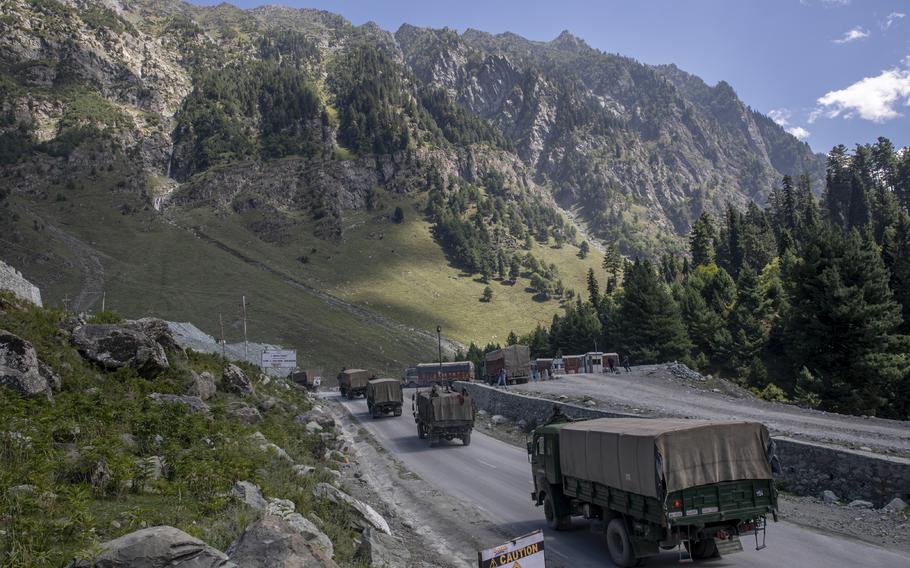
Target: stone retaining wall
12 280
808 469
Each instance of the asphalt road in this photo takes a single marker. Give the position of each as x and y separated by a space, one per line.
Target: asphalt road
496 477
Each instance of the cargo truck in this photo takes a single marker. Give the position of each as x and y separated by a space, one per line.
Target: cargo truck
697 486
353 382
384 396
443 414
515 359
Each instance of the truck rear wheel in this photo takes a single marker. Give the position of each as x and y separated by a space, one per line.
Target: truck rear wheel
619 544
466 439
702 549
554 521
421 433
398 411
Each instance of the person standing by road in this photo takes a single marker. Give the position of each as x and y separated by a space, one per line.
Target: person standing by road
533 373
626 365
501 382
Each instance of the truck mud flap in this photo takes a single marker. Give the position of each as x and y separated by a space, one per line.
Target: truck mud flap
731 545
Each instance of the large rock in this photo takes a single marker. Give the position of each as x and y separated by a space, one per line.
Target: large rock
155 329
201 385
115 346
249 494
339 497
268 447
316 416
193 404
317 539
243 412
157 547
896 505
380 549
234 380
274 542
830 497
20 369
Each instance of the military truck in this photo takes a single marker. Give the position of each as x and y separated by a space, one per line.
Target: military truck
384 396
694 485
353 382
515 359
443 414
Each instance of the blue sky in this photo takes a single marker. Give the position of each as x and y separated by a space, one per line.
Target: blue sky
830 71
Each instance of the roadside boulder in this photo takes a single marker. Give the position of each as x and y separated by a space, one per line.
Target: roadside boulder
896 505
860 504
498 419
201 385
274 542
339 497
317 539
268 447
157 547
115 346
243 412
830 497
318 417
155 329
380 549
193 404
20 369
249 494
234 380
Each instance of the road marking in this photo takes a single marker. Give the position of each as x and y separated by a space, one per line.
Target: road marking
488 464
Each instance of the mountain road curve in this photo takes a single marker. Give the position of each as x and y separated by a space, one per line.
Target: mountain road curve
495 476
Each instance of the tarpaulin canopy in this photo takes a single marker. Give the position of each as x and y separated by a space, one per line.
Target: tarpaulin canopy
384 390
353 378
632 454
442 406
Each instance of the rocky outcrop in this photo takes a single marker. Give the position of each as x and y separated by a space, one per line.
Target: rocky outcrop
380 550
367 513
235 381
20 369
243 412
274 542
201 385
315 538
249 494
193 404
114 346
155 329
12 280
157 547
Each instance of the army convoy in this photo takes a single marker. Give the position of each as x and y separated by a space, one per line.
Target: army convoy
651 484
443 414
353 382
384 396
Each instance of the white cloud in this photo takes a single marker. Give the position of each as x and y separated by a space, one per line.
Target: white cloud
871 98
780 115
893 17
798 131
853 35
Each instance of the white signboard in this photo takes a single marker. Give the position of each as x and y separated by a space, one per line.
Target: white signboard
523 552
279 359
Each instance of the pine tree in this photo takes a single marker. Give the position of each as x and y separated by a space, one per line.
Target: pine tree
583 249
487 294
838 186
512 339
896 255
748 322
593 288
514 268
842 323
650 326
702 239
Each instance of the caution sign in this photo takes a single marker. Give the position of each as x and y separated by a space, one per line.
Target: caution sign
523 552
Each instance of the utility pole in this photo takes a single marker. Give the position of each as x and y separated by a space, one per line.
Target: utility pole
103 297
439 341
66 302
246 354
221 323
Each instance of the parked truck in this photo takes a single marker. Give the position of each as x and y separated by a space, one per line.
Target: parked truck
383 397
443 414
429 374
515 359
353 382
695 485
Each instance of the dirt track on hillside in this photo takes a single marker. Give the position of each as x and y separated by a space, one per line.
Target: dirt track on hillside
654 391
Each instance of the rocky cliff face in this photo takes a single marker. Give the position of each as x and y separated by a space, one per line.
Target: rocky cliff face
191 107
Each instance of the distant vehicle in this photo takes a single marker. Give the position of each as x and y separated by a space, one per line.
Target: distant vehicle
544 365
429 374
306 379
516 359
558 367
574 364
353 382
594 362
655 483
384 396
443 414
611 361
410 377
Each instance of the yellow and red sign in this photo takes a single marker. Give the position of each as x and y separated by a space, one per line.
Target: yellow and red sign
524 552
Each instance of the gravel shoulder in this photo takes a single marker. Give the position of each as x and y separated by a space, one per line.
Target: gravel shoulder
654 390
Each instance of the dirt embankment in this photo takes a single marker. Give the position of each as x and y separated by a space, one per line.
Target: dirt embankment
653 390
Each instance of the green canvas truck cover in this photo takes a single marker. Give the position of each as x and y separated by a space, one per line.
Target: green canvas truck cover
629 453
516 358
353 378
384 390
445 406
